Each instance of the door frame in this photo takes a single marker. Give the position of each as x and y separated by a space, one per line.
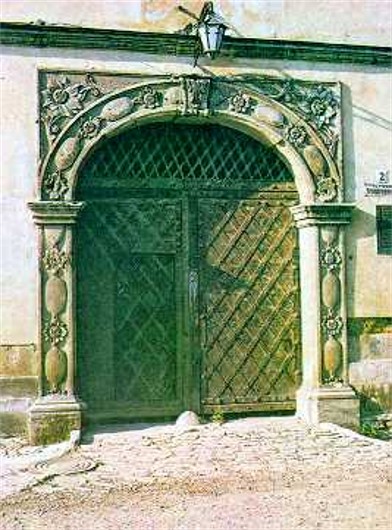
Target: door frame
270 110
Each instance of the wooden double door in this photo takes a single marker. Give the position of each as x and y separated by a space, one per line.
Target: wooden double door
187 298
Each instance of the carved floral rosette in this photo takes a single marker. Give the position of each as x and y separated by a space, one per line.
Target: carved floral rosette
55 261
331 296
302 131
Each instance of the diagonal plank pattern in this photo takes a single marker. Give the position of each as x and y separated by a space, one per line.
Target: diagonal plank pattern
249 298
145 329
130 249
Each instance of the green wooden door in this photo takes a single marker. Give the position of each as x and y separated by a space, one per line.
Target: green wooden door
248 305
187 277
130 307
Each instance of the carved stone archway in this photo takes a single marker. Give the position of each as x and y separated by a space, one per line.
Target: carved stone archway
300 120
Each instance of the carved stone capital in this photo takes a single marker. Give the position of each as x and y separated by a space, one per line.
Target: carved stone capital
55 212
322 214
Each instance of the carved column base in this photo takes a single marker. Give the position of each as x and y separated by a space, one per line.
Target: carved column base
51 420
332 405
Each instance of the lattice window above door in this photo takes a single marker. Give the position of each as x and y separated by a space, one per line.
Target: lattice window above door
183 157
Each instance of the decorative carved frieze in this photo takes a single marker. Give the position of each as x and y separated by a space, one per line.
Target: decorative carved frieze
55 186
55 220
269 115
315 161
117 108
55 330
326 189
149 98
67 153
56 366
323 227
55 260
331 258
90 128
62 99
318 104
304 115
332 324
240 103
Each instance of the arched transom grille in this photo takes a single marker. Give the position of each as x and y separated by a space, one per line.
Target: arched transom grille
183 156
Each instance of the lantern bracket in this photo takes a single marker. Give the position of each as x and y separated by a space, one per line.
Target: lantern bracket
210 29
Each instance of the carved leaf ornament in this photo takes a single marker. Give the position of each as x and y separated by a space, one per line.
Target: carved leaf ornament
55 330
55 260
296 115
331 286
62 100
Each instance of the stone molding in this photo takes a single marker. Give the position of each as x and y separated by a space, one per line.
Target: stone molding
55 213
322 214
44 36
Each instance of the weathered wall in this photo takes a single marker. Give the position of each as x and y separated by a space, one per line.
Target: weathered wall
367 124
350 21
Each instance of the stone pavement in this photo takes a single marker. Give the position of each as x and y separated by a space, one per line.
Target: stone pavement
315 477
242 445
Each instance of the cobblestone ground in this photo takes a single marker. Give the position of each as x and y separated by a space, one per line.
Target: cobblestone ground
250 474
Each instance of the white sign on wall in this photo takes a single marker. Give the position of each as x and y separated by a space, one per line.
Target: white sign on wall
381 185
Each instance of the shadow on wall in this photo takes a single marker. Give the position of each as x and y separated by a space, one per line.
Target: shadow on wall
348 143
371 117
363 225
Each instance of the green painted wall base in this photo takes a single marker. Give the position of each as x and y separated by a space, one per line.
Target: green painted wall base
52 420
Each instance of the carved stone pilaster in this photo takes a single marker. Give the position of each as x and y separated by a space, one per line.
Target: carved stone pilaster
55 221
55 291
325 394
331 295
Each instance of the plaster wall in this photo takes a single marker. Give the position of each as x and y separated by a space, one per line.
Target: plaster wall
349 21
368 149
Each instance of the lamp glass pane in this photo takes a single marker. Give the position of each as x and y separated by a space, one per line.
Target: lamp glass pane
211 37
204 37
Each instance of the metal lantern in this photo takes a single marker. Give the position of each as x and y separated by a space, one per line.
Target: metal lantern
210 30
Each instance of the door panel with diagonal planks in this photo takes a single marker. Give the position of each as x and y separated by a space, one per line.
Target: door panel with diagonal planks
130 305
249 305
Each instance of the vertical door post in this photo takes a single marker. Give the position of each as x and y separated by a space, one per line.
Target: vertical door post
57 411
325 395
